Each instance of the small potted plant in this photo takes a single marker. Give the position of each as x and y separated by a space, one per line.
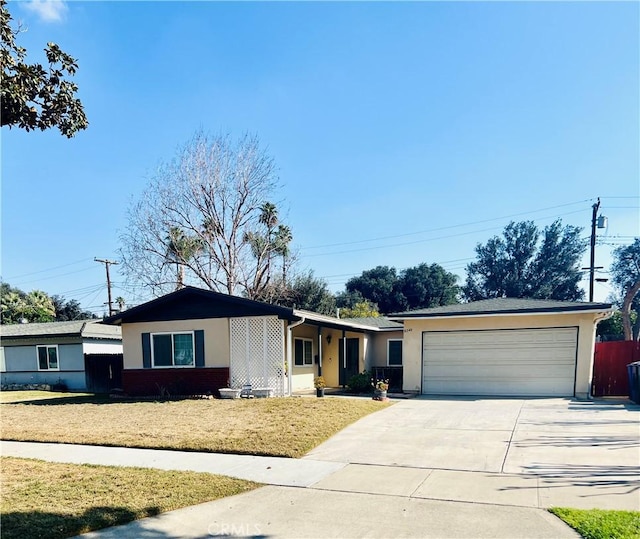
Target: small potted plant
319 384
380 388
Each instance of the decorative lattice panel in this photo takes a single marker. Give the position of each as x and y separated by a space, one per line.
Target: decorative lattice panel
257 353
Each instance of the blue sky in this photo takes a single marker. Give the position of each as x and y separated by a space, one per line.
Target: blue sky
403 132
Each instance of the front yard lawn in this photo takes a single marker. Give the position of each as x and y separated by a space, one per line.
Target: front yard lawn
283 427
46 499
601 524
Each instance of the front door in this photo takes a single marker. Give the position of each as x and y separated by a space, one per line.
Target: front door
349 367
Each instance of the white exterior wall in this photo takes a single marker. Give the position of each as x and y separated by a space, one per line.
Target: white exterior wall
102 348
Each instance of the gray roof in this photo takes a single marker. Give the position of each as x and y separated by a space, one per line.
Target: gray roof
380 322
503 306
84 328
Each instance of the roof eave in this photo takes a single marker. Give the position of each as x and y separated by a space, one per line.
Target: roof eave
549 311
328 321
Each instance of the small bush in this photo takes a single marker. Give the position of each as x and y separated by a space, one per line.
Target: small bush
360 383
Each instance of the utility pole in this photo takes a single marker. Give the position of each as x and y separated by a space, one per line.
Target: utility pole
601 222
592 262
108 263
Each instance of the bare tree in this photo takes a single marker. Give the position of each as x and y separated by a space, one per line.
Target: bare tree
200 220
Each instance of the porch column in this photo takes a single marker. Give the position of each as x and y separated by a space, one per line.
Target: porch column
344 358
319 350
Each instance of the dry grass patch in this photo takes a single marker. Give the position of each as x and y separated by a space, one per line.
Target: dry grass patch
44 499
286 427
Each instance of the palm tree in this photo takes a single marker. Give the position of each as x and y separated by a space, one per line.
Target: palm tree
180 249
268 216
121 303
283 238
40 307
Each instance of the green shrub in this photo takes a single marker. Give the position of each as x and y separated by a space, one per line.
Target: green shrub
360 383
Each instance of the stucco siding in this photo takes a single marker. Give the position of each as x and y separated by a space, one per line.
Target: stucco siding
412 347
216 339
25 358
21 364
303 375
378 347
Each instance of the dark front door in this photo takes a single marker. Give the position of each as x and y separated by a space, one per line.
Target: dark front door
349 367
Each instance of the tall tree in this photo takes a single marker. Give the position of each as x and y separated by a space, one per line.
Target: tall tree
425 286
417 287
69 310
273 240
309 293
521 265
18 306
625 272
214 192
35 97
379 286
180 249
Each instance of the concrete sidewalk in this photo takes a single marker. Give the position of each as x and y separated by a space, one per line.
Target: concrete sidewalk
295 513
339 500
267 470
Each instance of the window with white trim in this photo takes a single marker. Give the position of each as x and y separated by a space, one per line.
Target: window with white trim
303 352
47 357
172 349
394 352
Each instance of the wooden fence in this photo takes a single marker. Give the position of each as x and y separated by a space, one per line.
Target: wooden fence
610 376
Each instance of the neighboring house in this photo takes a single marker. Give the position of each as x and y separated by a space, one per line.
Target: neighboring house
84 355
197 341
502 347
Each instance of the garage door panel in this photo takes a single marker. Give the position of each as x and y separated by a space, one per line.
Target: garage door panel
500 362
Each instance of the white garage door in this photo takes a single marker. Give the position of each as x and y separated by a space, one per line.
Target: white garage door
528 362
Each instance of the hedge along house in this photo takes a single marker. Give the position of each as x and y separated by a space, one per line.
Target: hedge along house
502 347
85 355
196 341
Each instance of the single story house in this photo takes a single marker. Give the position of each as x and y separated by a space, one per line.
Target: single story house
501 347
198 341
84 355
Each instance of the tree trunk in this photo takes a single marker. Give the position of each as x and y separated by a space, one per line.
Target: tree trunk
626 310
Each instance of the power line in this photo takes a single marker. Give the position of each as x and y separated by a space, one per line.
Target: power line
387 246
47 270
447 227
22 283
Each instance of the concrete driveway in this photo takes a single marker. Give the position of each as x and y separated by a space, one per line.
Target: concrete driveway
535 452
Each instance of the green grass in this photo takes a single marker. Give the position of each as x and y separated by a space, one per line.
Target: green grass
283 427
601 524
45 499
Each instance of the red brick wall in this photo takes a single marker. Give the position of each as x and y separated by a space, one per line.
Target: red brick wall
198 381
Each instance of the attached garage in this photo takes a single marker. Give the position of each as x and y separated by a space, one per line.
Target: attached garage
501 347
540 362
